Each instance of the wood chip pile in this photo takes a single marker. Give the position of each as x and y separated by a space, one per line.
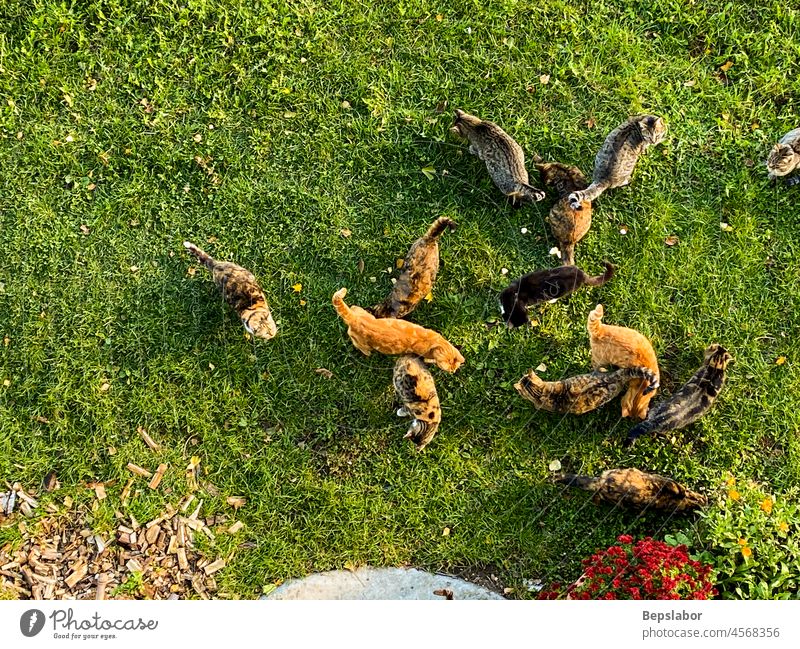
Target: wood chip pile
61 557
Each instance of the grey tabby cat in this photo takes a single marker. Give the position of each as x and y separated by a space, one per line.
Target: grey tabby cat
785 158
504 158
614 163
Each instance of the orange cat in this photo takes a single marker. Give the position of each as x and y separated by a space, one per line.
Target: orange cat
392 336
623 347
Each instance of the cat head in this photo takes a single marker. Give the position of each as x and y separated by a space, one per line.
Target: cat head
447 357
463 123
687 499
781 161
717 356
529 384
421 433
511 309
260 323
653 128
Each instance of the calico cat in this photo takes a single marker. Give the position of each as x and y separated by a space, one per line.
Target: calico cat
614 163
785 158
241 291
689 403
634 489
569 225
543 285
581 394
623 347
419 272
415 388
504 158
393 337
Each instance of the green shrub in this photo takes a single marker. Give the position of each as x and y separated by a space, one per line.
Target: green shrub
751 538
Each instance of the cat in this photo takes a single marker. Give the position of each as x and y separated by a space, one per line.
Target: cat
241 291
415 388
504 158
394 337
623 347
543 285
614 163
637 490
581 394
689 403
785 158
419 272
569 225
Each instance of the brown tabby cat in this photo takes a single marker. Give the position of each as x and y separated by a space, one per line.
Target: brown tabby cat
614 163
414 386
785 158
543 285
569 226
241 291
504 158
393 337
623 347
580 394
419 272
689 403
634 489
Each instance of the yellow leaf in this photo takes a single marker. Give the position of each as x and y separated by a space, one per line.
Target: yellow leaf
399 263
734 495
726 66
439 18
544 79
429 297
302 302
730 481
780 360
345 232
446 531
297 287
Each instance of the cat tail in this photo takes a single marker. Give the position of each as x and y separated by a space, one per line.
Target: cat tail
567 253
439 226
599 280
589 194
646 374
594 322
642 428
580 481
205 259
341 308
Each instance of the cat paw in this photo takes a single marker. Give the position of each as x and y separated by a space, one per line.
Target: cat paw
575 202
794 180
402 412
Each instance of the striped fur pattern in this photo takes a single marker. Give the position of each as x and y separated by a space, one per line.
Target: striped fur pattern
420 268
636 490
614 163
504 158
568 225
785 158
241 291
691 402
583 393
416 389
542 286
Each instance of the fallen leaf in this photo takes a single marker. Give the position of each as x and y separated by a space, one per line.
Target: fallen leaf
429 297
545 79
541 367
439 18
689 83
555 465
325 372
91 187
400 261
236 501
302 303
780 360
6 383
623 230
346 105
50 481
430 172
555 251
671 240
105 387
289 114
726 227
85 229
191 271
197 137
590 123
504 271
441 106
297 287
360 265
345 232
446 531
726 66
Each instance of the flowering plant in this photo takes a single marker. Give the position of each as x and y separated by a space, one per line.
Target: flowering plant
647 569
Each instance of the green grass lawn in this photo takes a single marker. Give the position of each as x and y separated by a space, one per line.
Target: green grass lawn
311 118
